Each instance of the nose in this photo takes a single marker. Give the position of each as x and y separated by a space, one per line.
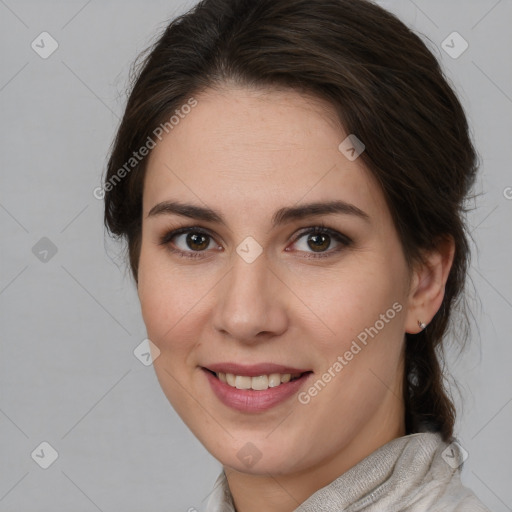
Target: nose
251 302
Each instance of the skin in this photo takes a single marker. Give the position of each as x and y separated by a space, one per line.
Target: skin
246 154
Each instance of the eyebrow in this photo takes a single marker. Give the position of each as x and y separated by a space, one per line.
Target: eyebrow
281 216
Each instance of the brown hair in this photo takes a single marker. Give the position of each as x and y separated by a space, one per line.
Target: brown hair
385 86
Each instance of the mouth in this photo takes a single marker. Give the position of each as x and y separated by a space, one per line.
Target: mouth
258 383
256 388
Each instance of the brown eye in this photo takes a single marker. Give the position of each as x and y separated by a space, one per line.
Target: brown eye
188 242
319 242
197 241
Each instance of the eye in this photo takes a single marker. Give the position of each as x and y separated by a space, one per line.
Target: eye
189 242
321 241
195 242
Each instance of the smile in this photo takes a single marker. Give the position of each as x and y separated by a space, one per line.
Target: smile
258 383
257 388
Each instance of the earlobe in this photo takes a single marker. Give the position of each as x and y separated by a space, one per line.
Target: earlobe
421 325
428 286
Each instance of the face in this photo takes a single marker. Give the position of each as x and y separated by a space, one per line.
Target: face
269 260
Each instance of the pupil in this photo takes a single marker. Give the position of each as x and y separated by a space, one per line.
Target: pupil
318 242
197 241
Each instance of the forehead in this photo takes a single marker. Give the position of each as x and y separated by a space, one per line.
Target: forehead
252 150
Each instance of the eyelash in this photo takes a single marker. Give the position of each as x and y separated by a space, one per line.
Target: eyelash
318 229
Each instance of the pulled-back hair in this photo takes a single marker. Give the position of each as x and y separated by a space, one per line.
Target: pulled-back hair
385 86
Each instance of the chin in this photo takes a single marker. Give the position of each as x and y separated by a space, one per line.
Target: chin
256 455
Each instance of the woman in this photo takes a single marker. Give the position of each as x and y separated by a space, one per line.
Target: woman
290 177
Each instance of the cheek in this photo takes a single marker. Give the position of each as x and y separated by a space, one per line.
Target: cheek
166 305
366 315
360 354
164 296
353 301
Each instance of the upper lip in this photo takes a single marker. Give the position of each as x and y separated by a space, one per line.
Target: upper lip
253 370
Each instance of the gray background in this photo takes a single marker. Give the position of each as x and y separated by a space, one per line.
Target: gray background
70 321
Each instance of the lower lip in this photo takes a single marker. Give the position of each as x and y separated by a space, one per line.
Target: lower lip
250 400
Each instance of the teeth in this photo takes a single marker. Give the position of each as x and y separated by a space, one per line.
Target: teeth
274 379
259 383
242 382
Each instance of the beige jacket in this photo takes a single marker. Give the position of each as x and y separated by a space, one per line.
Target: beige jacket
414 473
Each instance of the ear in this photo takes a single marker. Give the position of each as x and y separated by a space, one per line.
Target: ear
428 283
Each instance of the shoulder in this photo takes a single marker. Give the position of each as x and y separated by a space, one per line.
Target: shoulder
441 489
458 498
